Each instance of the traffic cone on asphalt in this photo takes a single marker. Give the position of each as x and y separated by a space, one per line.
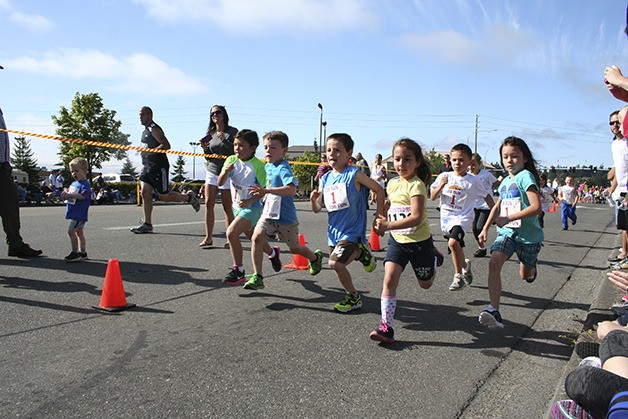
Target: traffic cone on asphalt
554 208
374 241
298 261
113 298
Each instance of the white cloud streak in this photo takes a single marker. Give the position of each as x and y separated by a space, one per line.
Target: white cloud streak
32 23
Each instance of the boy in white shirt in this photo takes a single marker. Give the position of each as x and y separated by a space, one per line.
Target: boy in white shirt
569 199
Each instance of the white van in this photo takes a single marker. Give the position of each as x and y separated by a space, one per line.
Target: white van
116 178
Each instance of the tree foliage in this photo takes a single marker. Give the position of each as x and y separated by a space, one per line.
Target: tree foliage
435 160
179 169
128 168
23 160
88 119
305 172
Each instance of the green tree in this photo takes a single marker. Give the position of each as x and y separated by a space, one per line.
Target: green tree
305 172
88 119
179 169
23 160
435 160
128 168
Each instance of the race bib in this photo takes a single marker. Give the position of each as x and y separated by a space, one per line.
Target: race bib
336 197
272 207
510 206
72 190
452 198
397 213
239 193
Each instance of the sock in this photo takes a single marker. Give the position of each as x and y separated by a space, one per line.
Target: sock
490 308
482 248
354 294
389 304
272 252
240 267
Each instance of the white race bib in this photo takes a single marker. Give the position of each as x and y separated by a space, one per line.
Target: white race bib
453 198
239 193
336 197
397 213
511 206
272 207
72 190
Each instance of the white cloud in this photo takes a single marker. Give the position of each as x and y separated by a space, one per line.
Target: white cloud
449 46
141 73
44 150
254 16
32 23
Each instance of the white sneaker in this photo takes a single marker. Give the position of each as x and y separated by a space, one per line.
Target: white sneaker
458 283
466 273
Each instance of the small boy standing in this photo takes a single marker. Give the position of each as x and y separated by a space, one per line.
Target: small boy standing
279 215
458 192
77 198
345 190
569 198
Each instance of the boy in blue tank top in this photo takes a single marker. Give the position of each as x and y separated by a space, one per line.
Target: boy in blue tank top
345 190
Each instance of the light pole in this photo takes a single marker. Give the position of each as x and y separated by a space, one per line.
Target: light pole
320 134
194 144
324 131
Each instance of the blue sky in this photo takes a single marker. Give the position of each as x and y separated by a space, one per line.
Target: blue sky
381 70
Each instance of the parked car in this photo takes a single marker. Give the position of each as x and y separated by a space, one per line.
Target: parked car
116 178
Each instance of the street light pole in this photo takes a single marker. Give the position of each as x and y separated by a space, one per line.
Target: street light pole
324 132
194 144
320 134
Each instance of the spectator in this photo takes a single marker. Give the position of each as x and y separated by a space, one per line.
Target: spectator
446 166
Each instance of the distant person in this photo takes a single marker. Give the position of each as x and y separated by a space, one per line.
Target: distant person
446 166
481 210
568 200
362 164
10 203
59 182
21 192
323 168
154 175
345 190
78 198
619 186
218 141
518 230
548 196
378 174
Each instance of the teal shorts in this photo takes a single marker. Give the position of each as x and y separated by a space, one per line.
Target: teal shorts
251 214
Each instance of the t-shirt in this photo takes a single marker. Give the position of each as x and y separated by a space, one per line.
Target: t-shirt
243 175
221 147
159 160
346 206
546 197
488 180
457 200
76 209
279 208
399 193
513 198
568 194
619 149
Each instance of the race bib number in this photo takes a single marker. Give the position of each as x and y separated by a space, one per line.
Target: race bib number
397 213
336 197
510 206
452 198
239 193
72 190
272 207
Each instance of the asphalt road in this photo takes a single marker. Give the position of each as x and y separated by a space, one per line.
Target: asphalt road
196 348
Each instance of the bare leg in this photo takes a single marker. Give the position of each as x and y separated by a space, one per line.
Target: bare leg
494 277
210 201
147 202
457 255
80 234
227 206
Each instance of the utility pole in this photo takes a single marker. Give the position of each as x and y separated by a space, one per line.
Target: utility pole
475 149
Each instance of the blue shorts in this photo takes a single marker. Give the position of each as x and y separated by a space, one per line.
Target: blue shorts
527 253
252 214
419 254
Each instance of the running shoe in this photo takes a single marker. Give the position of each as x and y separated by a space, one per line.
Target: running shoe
533 277
491 319
623 264
383 333
83 255
143 229
480 253
466 273
317 265
255 282
194 201
275 261
349 303
458 283
73 257
234 277
366 258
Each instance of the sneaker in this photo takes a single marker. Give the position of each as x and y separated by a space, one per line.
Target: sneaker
480 253
349 303
73 257
143 229
234 277
366 258
565 228
194 201
620 265
569 409
615 259
275 261
317 265
533 277
466 273
255 282
458 283
24 251
383 333
83 255
573 223
491 319
439 257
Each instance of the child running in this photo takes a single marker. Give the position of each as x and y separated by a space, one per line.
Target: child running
568 196
458 192
345 190
77 197
244 170
548 196
410 238
481 209
518 230
279 215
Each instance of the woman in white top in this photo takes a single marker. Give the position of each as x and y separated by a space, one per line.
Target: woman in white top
378 174
481 209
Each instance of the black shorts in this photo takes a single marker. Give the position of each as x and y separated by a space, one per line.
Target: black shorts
457 233
157 177
420 255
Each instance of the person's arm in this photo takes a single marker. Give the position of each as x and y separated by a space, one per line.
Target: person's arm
616 82
576 200
533 209
224 173
160 137
483 236
435 193
316 199
489 201
286 190
417 203
362 179
560 193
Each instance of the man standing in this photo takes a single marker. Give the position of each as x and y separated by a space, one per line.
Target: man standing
9 203
619 150
154 176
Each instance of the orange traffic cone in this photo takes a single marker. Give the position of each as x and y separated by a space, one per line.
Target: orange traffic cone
298 261
113 298
374 241
554 208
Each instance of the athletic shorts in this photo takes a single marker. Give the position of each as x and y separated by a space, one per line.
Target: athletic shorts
343 251
288 233
212 179
420 255
251 214
456 232
527 253
157 177
77 225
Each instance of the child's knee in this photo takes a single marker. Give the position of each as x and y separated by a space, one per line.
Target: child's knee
426 284
335 265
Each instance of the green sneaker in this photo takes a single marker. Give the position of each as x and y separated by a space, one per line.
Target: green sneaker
366 258
349 303
317 265
255 282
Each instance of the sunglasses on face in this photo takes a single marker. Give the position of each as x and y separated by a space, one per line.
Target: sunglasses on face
217 112
613 123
